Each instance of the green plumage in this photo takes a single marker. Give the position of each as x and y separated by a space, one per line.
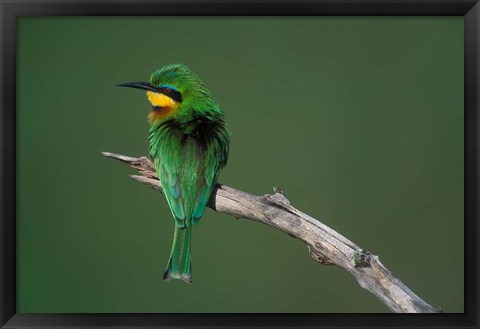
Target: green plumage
189 147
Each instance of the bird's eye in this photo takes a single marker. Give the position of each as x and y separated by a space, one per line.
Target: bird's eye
170 92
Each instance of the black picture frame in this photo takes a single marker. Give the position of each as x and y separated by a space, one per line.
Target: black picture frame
10 10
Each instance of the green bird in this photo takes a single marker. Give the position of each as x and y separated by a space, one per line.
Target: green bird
189 142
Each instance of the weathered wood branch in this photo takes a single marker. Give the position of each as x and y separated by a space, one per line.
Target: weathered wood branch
324 244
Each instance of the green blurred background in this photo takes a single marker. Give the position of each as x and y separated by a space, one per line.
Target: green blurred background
358 119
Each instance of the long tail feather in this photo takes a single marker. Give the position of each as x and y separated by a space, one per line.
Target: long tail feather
180 266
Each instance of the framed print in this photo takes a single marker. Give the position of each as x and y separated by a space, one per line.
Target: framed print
350 126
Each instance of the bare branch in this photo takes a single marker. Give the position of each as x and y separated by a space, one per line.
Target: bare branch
324 244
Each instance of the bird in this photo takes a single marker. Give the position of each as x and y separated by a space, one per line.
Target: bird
189 142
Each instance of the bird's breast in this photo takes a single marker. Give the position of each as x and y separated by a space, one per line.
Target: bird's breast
158 113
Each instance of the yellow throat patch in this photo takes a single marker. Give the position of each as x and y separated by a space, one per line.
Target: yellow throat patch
164 106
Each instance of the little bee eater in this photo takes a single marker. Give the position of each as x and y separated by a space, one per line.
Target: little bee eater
189 142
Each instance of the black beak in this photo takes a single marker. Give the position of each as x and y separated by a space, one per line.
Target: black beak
139 85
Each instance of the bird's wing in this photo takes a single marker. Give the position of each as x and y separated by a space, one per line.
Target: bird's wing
204 191
188 173
188 181
170 179
215 159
